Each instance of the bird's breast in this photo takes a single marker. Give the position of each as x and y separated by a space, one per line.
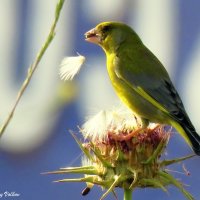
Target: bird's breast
111 67
119 85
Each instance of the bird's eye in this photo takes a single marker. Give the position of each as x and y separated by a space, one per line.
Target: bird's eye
106 28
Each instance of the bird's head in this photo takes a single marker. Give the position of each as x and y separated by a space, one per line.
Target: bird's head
110 35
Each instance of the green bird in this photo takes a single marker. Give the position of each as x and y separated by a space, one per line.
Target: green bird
141 81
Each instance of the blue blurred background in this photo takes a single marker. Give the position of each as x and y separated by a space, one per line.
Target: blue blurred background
37 140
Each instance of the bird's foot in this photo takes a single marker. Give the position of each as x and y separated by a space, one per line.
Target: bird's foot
128 136
121 137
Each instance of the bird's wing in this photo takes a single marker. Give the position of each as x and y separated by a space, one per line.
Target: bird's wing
148 77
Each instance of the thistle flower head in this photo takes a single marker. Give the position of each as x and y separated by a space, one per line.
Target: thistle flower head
119 153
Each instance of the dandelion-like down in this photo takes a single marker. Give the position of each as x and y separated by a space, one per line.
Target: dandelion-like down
119 153
70 66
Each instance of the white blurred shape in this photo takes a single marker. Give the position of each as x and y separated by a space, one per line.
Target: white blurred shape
190 86
8 38
104 10
155 22
96 90
31 123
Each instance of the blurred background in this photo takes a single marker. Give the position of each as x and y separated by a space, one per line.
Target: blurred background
37 139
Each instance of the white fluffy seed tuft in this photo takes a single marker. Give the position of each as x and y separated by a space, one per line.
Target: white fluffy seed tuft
70 66
115 120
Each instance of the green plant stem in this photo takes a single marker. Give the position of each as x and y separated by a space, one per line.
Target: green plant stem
33 67
128 194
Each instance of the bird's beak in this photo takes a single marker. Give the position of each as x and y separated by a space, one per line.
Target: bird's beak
93 36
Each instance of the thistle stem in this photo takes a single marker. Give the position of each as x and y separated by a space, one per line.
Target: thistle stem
128 194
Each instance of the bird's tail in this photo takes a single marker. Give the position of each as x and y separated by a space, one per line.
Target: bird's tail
189 133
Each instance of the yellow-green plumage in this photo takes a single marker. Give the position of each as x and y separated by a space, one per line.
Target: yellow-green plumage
141 81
